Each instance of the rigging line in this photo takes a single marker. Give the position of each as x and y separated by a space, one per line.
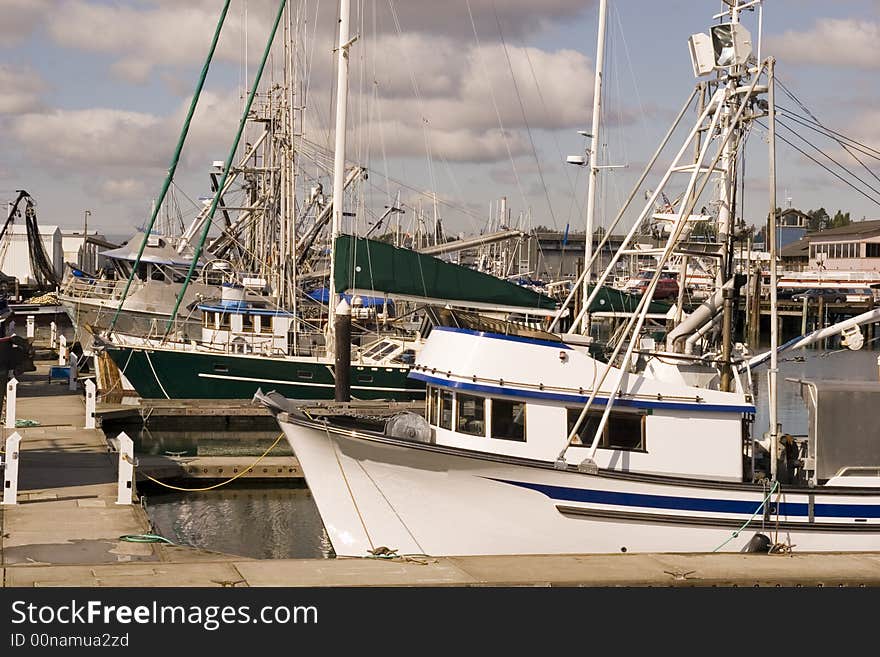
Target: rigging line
794 97
828 132
522 110
848 148
495 105
425 133
806 141
810 157
427 195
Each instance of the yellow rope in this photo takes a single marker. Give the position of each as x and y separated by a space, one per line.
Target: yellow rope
222 483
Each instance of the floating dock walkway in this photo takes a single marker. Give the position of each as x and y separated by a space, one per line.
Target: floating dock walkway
66 529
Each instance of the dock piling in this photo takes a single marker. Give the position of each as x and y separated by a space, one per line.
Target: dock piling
90 404
71 372
126 469
11 387
10 471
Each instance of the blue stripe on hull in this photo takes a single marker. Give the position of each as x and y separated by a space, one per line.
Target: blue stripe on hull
579 399
671 503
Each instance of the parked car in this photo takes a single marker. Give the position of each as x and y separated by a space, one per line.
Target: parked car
667 285
858 294
829 294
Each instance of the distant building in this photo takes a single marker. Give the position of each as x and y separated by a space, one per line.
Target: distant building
15 257
795 256
81 253
791 226
855 247
553 255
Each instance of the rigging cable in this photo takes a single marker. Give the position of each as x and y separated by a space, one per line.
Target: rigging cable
522 110
495 105
810 157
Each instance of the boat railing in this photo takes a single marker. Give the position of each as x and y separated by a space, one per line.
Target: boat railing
79 288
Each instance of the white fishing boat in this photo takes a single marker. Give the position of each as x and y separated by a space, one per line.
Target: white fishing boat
529 445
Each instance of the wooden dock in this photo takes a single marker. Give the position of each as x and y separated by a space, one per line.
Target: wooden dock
67 530
155 409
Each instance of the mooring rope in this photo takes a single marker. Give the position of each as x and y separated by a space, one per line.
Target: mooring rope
212 487
745 524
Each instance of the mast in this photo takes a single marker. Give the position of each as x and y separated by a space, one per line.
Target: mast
338 160
594 169
771 238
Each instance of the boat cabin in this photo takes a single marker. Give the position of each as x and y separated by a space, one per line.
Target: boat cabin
522 396
245 327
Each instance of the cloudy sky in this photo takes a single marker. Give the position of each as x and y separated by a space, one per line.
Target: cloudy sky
471 99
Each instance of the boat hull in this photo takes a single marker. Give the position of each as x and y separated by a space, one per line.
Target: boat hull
177 374
374 491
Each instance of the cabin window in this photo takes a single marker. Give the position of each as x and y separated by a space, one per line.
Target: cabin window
508 420
265 324
224 321
247 323
433 398
624 431
445 409
471 415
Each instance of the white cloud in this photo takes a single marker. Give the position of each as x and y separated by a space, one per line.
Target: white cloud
19 18
114 189
20 90
93 137
844 42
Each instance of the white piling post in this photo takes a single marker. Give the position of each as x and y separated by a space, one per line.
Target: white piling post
62 349
90 404
11 387
53 335
10 473
71 374
29 323
126 469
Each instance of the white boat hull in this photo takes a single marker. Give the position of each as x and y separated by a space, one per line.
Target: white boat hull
376 492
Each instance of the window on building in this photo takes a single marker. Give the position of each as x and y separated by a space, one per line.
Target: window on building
508 420
471 415
872 250
624 430
445 410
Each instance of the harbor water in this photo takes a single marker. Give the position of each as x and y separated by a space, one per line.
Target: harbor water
282 521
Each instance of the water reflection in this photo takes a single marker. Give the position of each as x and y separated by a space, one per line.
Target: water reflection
263 522
831 363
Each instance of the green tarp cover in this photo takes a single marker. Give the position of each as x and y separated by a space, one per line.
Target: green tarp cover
363 264
611 300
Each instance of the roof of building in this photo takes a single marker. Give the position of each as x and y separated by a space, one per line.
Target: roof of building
857 229
797 249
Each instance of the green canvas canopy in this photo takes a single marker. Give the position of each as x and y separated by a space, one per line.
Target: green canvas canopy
618 301
373 266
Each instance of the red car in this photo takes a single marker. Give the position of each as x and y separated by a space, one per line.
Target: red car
667 285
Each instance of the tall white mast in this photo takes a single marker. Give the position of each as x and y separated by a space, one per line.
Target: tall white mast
594 168
339 158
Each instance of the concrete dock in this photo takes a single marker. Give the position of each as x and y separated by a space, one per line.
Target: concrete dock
66 531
